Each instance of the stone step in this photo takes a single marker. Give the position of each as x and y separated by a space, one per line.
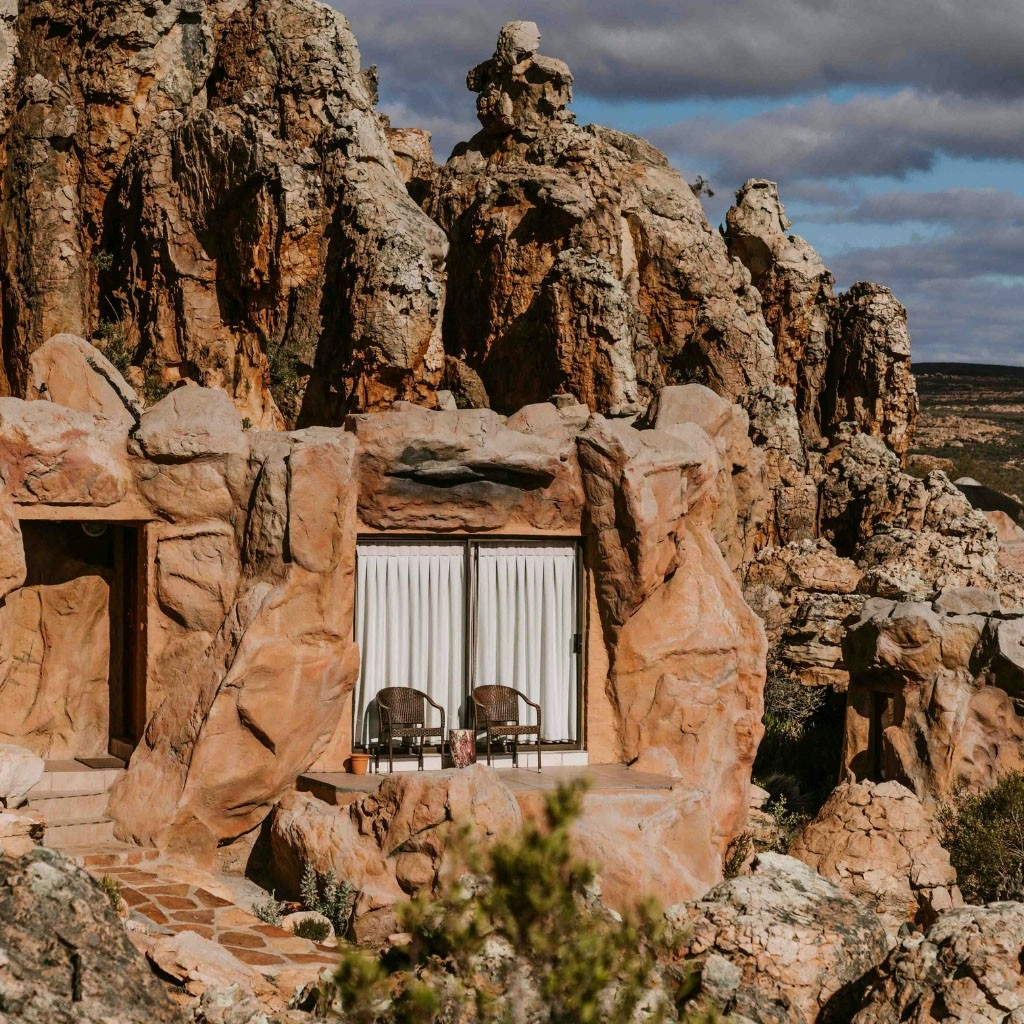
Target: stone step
58 806
79 832
112 854
76 780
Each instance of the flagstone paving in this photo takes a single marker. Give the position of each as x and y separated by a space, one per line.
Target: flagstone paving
165 897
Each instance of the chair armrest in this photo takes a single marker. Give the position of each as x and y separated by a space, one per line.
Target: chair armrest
533 705
433 703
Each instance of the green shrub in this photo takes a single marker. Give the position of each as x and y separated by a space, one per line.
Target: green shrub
269 911
112 889
799 757
323 894
311 928
527 894
112 341
984 834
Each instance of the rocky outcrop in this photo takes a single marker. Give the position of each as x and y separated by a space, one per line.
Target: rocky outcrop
846 359
742 484
796 293
878 843
780 945
391 843
869 378
806 594
256 657
578 259
207 199
934 692
965 968
20 770
67 959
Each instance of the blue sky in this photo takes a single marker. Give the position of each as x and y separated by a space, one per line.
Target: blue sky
895 128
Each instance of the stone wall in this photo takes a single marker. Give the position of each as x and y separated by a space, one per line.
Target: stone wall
249 553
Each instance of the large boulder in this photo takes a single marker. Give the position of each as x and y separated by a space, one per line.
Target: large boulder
933 692
965 969
393 842
778 946
67 958
20 770
69 371
880 844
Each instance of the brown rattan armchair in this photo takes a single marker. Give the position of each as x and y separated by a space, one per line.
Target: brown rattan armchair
496 712
403 713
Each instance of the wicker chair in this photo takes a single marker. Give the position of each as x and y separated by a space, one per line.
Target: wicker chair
403 713
496 712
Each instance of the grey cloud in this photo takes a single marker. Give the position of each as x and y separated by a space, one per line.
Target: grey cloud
650 49
869 135
954 208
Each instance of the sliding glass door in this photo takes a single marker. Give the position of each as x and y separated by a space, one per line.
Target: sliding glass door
442 617
525 629
410 625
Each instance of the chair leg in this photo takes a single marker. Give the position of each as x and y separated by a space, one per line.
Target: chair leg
391 754
515 751
488 748
421 753
538 753
376 756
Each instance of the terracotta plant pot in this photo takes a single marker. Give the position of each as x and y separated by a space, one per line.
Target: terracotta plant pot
358 764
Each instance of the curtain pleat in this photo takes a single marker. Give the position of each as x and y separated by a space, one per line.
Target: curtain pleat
410 602
526 623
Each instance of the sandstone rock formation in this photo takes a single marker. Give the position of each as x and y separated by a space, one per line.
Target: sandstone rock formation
206 198
248 550
965 968
878 843
618 283
780 945
846 359
934 692
67 959
20 770
391 843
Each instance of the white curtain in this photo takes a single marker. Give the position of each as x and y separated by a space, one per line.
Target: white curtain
410 626
526 620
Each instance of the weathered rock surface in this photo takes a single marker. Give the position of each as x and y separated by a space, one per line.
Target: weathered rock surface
68 371
19 832
198 964
878 843
965 968
934 692
846 359
211 194
578 259
20 770
806 594
796 291
870 382
742 482
780 945
67 959
391 843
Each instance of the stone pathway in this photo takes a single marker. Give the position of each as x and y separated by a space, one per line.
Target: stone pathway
165 898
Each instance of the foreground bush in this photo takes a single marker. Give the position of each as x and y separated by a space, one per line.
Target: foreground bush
519 929
984 835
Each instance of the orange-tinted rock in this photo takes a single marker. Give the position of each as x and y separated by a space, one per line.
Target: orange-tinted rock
781 945
933 691
69 371
579 260
58 456
877 842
